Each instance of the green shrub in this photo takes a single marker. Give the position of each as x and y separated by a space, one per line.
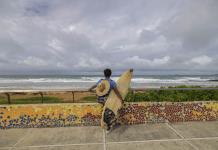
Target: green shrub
90 99
173 95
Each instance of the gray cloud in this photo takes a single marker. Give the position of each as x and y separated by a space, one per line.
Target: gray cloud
43 35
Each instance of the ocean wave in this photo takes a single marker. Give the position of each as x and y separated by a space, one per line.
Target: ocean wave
95 79
43 80
176 80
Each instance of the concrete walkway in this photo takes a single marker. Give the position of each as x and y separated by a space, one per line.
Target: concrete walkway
164 136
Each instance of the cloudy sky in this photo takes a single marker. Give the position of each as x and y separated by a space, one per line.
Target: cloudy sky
89 35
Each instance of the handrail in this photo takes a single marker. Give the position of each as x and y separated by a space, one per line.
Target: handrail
9 93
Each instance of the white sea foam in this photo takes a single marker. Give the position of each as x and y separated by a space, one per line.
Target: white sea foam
45 80
95 79
177 80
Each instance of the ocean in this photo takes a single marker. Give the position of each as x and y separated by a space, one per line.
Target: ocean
71 82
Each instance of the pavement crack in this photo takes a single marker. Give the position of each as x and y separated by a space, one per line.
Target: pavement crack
181 136
175 131
21 139
195 147
104 139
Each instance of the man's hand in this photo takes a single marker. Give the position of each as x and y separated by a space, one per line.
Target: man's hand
91 88
122 101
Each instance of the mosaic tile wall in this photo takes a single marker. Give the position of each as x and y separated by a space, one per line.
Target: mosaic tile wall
63 115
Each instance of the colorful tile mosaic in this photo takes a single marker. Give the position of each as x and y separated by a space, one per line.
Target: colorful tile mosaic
63 115
201 111
137 113
51 115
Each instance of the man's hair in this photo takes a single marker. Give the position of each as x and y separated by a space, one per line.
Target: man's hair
107 72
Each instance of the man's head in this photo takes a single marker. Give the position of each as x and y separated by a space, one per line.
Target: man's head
107 73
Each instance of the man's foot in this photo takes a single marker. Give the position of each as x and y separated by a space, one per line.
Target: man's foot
117 124
108 129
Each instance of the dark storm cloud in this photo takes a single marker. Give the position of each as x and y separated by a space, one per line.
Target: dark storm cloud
90 35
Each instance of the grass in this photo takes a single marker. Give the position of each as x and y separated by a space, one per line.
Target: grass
2 100
174 95
32 100
184 86
188 86
91 99
168 95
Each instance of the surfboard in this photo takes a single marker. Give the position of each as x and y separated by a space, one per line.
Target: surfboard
113 103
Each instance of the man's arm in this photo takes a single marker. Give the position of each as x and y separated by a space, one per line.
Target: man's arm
91 88
119 95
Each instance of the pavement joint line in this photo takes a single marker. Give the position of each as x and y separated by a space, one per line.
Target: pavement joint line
146 141
58 145
203 138
104 139
177 132
124 142
6 147
164 140
195 147
192 145
21 139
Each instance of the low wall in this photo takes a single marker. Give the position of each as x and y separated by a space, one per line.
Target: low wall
63 115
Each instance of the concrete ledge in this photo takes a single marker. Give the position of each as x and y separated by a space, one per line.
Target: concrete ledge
89 114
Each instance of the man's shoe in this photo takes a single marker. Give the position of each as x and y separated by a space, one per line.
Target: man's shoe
108 129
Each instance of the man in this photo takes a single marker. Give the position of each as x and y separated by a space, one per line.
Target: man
104 87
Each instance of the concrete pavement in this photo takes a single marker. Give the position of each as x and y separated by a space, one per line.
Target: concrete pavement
163 136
